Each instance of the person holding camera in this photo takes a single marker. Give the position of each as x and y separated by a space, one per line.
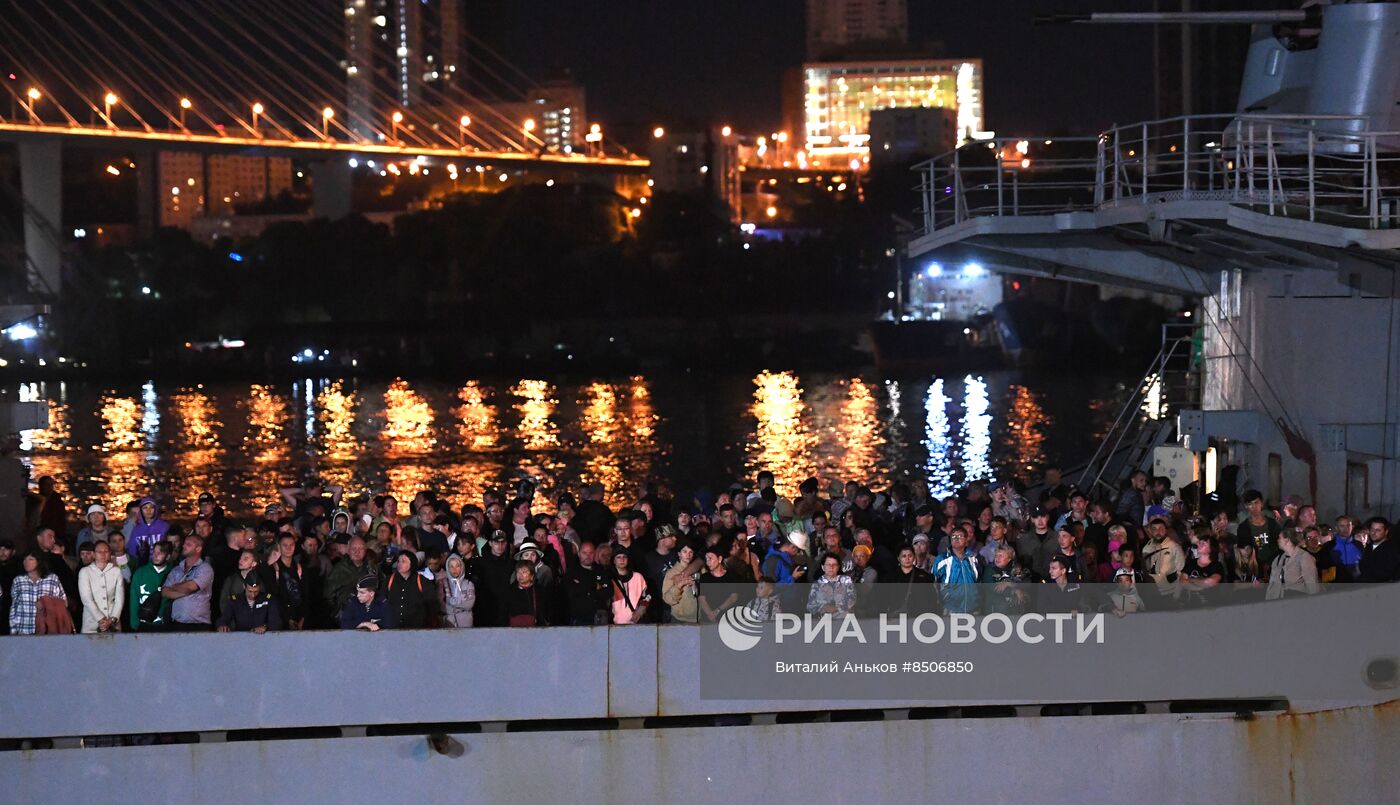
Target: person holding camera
680 586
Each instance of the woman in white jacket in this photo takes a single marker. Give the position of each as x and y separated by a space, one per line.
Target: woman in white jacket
102 590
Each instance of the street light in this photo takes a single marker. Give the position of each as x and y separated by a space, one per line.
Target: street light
34 95
326 115
594 138
184 107
462 125
258 109
529 128
658 132
396 118
726 131
108 101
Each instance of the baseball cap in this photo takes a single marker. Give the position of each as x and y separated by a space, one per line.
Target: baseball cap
250 579
367 583
1039 511
206 497
96 508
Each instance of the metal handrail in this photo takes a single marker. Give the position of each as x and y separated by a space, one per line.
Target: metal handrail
1122 424
1324 167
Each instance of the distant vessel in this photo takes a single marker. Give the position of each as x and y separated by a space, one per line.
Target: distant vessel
943 321
956 315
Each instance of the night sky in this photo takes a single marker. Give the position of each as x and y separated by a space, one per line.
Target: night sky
648 61
678 62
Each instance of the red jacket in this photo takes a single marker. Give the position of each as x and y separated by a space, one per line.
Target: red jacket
51 616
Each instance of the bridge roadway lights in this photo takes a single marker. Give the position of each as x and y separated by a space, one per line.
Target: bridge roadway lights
330 189
41 188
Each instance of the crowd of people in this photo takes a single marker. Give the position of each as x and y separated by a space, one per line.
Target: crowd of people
318 560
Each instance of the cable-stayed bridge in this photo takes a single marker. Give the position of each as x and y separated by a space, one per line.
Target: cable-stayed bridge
330 83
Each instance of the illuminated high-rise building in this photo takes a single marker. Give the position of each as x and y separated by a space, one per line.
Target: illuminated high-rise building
398 54
556 109
842 28
192 185
839 97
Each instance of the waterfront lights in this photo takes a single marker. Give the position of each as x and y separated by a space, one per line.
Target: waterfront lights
933 270
658 132
973 270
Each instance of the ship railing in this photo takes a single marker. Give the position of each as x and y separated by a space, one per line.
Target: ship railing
1319 168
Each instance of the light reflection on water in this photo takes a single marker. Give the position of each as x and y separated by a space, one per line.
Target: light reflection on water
243 442
939 469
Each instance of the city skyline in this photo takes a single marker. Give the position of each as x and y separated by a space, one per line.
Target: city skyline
722 61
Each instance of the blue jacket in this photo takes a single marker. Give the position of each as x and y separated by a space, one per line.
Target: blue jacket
782 567
1347 553
957 581
354 613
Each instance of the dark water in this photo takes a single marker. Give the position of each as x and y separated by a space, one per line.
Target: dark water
243 441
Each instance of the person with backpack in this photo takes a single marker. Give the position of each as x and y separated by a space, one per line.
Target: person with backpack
408 594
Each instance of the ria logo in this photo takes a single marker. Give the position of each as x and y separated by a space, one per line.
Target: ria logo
740 629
